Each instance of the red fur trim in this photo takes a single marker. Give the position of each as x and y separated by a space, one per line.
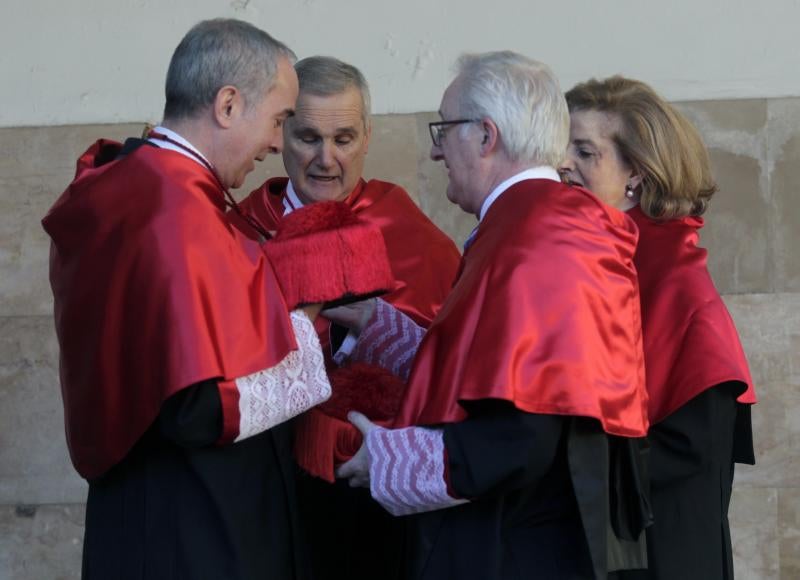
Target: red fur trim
317 217
323 252
323 436
370 389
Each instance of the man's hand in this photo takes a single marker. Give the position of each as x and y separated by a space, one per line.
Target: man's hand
357 469
353 316
312 310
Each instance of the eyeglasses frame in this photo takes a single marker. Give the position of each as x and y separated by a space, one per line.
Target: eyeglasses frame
436 128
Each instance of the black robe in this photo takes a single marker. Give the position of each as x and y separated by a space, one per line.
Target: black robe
692 458
179 507
544 486
349 535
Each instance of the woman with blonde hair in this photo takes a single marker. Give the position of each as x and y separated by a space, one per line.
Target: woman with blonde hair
636 152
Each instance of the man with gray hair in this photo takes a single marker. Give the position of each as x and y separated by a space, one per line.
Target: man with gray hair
327 140
326 144
180 364
513 441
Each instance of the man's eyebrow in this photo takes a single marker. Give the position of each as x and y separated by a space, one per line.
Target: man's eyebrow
299 127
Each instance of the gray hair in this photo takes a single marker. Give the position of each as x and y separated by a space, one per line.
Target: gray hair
216 53
523 98
325 76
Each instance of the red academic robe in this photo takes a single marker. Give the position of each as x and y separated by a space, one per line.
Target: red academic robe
545 315
700 391
690 341
154 291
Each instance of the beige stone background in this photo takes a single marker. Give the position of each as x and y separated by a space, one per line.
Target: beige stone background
752 234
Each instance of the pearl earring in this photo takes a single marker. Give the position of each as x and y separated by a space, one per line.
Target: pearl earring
629 193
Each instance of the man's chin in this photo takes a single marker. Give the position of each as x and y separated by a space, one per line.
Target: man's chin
456 201
452 194
324 191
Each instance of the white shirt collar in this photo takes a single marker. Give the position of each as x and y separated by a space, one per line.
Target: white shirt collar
291 201
171 146
540 172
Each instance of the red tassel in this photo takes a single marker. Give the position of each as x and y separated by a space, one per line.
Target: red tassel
324 252
369 389
323 436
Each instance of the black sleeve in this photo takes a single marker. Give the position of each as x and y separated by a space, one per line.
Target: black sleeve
192 417
337 334
698 433
743 451
499 448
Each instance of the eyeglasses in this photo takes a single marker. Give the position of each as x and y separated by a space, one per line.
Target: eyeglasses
438 129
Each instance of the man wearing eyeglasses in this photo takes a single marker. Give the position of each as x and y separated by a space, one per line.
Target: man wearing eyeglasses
527 388
326 144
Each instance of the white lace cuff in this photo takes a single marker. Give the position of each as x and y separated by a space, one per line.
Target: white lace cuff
406 470
297 383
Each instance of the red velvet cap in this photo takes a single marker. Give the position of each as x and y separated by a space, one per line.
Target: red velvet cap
323 252
324 437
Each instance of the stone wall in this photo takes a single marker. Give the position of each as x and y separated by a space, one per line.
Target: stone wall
752 234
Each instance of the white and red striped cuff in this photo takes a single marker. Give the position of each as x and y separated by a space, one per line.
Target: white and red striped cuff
390 340
274 395
406 470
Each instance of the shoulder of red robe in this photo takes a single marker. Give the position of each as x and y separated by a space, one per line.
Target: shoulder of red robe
691 342
134 240
424 259
545 315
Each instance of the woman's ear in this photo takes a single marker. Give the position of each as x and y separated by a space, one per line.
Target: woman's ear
634 180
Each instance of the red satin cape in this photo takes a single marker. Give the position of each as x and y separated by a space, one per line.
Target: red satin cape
154 291
545 315
690 341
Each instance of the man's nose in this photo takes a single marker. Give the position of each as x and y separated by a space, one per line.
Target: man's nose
276 142
325 155
436 153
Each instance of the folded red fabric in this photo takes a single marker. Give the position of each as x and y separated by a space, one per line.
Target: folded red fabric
324 438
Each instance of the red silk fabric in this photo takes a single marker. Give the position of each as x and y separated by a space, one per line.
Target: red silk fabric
690 341
154 291
545 315
324 437
424 260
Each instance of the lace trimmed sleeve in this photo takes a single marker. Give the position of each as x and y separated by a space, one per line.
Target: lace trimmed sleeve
274 395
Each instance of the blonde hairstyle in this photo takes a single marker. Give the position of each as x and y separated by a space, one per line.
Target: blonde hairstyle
657 141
